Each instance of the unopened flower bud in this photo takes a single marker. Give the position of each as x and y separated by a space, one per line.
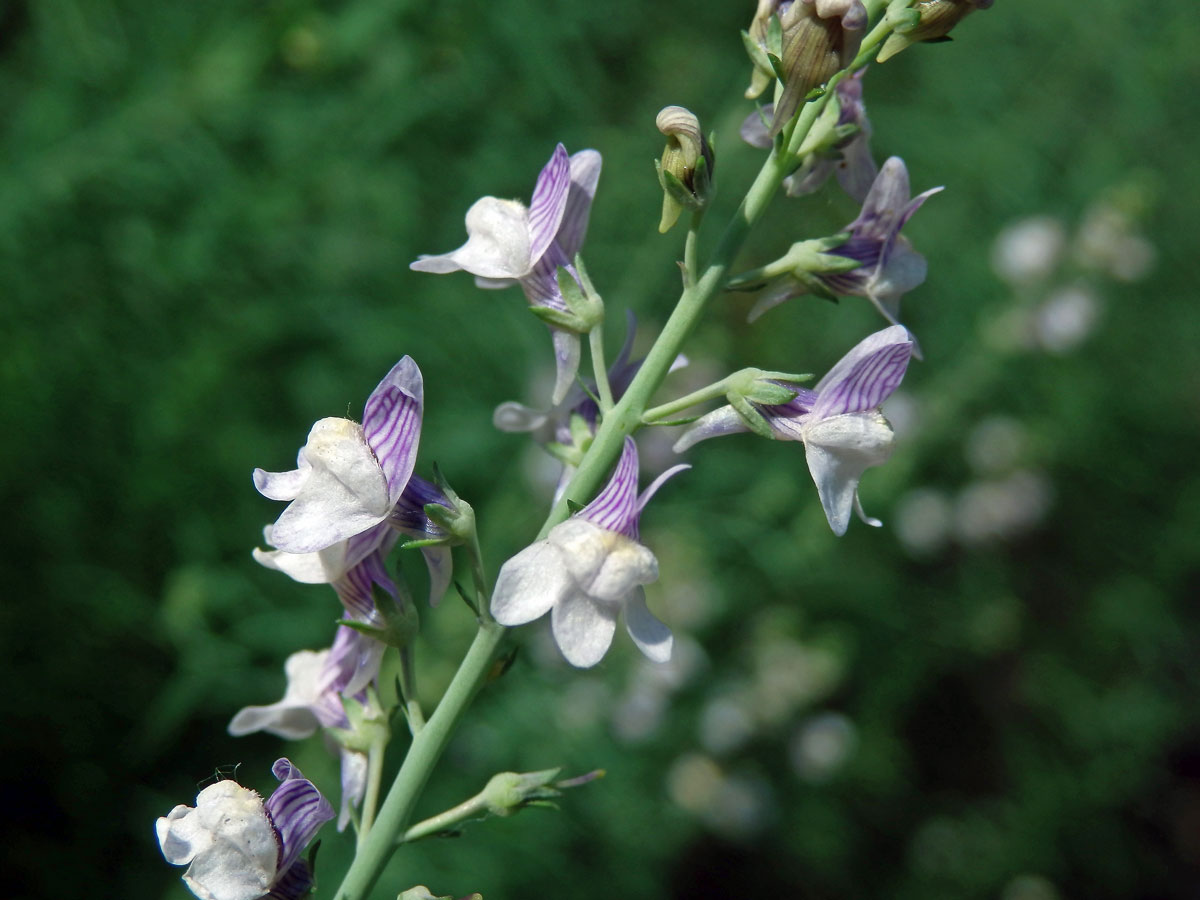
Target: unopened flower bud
933 21
819 39
685 171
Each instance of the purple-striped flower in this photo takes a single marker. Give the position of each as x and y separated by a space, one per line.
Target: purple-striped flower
238 846
317 680
587 571
839 421
349 477
888 266
510 243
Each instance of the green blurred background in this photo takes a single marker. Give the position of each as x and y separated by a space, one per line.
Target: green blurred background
207 212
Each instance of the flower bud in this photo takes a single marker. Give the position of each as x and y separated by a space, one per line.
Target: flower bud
685 171
934 20
819 39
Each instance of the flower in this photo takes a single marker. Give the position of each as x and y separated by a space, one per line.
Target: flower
316 683
887 264
588 570
932 20
509 243
839 421
849 157
349 477
238 846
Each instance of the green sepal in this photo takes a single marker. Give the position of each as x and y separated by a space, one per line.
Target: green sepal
750 416
568 455
467 599
368 724
567 321
400 619
573 506
777 66
418 543
676 189
816 286
586 307
789 377
669 422
507 792
775 38
765 393
758 56
581 432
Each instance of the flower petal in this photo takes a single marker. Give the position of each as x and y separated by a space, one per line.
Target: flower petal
839 450
345 492
717 423
297 811
567 350
652 637
529 584
227 838
615 507
292 718
549 203
585 175
866 376
498 243
583 628
516 417
439 562
319 567
354 784
392 423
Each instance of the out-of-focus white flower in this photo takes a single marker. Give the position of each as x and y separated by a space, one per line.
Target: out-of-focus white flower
996 444
1028 251
1065 319
1000 509
923 521
822 745
1108 241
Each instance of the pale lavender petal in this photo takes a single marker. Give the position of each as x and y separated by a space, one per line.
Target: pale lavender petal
583 629
658 482
320 567
516 417
867 347
494 284
717 423
838 450
297 810
549 202
771 298
567 351
615 507
652 637
754 127
869 381
356 589
392 423
497 244
439 562
585 174
529 584
353 664
541 283
354 784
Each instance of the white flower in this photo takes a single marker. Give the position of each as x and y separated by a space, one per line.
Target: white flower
587 571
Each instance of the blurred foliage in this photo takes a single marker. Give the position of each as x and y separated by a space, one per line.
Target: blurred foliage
206 216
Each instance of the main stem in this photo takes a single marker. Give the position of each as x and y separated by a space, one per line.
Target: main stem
622 420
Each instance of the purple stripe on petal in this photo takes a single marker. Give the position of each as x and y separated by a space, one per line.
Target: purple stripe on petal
293 884
549 202
392 423
867 384
297 810
585 174
615 507
409 515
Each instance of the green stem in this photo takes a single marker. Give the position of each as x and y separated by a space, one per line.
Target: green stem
427 747
408 690
691 264
468 809
371 796
596 343
712 392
